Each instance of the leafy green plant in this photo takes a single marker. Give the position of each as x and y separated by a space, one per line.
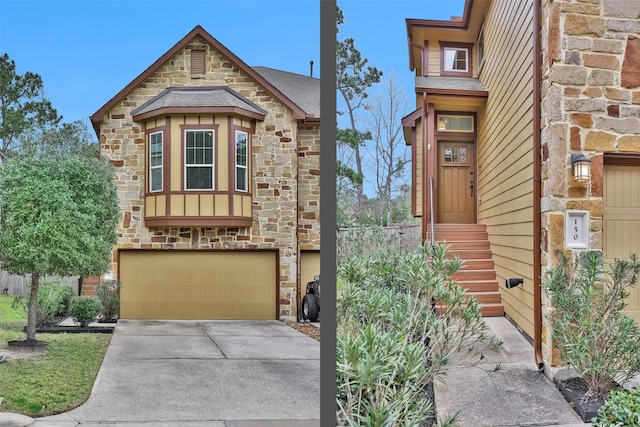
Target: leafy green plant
621 409
392 342
107 292
590 330
59 217
53 300
84 309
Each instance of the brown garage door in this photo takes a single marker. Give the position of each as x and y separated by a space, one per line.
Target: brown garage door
621 220
198 285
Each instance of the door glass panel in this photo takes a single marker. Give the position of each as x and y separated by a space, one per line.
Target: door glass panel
455 155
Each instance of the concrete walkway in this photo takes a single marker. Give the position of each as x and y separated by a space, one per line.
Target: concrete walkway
200 373
518 395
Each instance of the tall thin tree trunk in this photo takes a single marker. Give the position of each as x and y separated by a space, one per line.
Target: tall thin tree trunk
32 312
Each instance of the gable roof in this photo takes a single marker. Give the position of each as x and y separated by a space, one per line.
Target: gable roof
298 112
303 90
203 98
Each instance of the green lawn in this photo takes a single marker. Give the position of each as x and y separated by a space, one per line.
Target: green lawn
11 316
57 381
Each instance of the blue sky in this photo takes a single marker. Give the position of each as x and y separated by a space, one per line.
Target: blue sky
380 32
88 50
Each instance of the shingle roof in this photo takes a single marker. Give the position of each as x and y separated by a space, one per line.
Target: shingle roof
201 96
450 83
303 90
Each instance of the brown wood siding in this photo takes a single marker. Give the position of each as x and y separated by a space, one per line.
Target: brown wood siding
505 151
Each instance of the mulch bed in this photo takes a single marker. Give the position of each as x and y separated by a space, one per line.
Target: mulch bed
574 390
54 327
305 328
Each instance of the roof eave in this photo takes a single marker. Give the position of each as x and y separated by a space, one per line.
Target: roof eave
452 24
453 92
188 110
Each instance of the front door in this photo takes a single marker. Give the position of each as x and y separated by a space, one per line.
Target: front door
456 182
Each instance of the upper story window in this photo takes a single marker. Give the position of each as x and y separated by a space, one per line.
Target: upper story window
455 59
155 161
242 180
198 156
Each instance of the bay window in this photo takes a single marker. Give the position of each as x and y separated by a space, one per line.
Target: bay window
199 159
155 162
242 181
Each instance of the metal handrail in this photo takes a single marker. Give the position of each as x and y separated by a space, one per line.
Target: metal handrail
433 236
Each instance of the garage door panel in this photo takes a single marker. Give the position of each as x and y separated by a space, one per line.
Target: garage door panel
621 220
198 285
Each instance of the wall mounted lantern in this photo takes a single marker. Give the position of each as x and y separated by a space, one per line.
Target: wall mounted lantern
580 167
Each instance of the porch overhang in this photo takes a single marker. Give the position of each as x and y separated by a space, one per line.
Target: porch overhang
453 93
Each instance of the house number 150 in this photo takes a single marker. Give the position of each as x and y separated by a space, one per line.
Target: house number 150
576 235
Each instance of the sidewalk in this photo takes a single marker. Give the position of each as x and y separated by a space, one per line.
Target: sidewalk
518 395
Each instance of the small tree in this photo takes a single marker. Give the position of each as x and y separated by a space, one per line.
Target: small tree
58 216
389 154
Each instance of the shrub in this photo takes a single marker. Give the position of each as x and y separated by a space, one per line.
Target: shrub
391 343
107 292
590 331
84 309
54 299
621 409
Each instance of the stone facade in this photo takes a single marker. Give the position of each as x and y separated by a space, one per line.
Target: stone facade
284 172
590 93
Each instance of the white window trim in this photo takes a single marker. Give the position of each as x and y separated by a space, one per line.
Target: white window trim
212 165
151 168
245 167
447 66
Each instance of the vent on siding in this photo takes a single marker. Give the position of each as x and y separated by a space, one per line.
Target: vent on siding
197 62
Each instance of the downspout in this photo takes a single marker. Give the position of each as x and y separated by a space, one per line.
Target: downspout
425 167
537 215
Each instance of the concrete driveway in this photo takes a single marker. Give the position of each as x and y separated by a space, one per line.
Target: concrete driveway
197 373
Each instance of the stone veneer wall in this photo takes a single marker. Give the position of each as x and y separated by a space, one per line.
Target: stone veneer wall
274 180
309 187
590 104
308 195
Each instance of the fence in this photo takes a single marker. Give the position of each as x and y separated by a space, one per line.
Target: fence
12 284
409 231
365 240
